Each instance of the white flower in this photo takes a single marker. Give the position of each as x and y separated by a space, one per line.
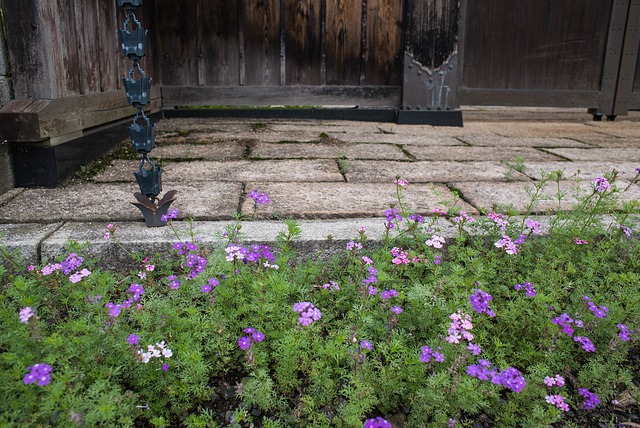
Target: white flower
166 352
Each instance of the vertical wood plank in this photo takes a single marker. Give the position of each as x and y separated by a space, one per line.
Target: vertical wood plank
323 42
261 28
60 23
220 46
384 43
363 41
108 50
177 61
303 42
343 41
30 64
87 24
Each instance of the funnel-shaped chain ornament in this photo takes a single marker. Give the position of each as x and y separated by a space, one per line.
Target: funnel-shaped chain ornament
130 4
142 137
134 42
149 180
138 91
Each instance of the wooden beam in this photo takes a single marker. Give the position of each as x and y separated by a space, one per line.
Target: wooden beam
53 122
364 96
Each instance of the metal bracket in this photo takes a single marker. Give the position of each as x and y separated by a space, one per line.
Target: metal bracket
426 89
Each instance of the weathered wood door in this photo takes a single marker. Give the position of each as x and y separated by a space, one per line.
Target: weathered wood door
551 53
253 52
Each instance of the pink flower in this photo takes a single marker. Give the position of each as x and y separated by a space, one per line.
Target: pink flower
549 381
25 314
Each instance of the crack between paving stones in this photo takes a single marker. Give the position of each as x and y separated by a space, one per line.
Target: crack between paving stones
411 157
243 197
47 236
458 192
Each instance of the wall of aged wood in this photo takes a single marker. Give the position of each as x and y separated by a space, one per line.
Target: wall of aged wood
277 42
335 50
542 44
64 48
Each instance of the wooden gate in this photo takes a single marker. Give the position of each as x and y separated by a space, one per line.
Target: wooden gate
266 52
551 53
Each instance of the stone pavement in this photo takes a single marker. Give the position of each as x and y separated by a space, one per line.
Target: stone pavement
333 175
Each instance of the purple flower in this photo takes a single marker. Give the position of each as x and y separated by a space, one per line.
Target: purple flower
260 198
137 291
591 399
133 339
372 290
377 423
586 343
206 288
480 301
174 283
392 214
601 184
624 332
308 312
451 423
40 373
244 342
257 336
366 345
528 287
396 310
427 353
474 348
114 310
165 366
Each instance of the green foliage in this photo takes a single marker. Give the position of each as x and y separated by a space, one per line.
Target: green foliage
324 374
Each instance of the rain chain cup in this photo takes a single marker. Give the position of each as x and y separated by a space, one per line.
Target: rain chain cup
133 45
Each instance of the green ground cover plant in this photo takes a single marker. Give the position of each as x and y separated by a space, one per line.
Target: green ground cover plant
515 322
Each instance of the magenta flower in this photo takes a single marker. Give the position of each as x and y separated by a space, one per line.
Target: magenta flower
244 342
601 184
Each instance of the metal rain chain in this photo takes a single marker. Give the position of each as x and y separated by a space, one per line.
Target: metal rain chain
133 45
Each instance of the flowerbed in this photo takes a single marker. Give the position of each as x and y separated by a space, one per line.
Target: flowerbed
500 325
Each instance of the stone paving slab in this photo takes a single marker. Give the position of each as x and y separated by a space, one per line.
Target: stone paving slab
340 200
25 238
606 141
9 194
499 141
466 153
236 171
427 171
485 195
326 150
629 129
111 202
425 139
608 154
247 135
543 130
584 170
224 150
